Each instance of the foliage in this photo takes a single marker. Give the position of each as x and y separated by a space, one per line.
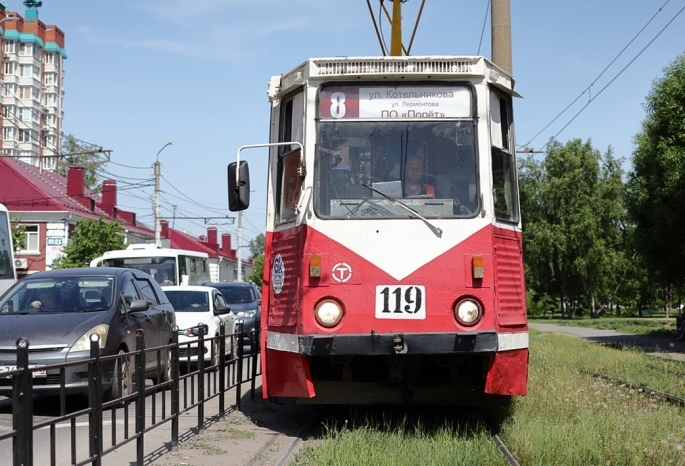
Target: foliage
18 235
574 224
257 246
656 186
91 239
92 162
257 270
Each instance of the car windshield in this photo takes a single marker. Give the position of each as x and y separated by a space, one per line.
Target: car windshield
59 294
238 294
188 301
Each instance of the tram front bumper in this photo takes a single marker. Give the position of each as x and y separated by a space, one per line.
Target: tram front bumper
386 344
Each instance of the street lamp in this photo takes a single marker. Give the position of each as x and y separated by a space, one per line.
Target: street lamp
158 225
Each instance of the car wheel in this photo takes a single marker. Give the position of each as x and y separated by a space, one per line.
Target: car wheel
122 378
165 375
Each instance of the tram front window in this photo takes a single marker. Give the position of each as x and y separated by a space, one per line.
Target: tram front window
430 166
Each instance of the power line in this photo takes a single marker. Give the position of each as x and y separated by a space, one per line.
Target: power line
614 78
587 90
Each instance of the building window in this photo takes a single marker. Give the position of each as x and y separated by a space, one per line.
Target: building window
31 239
25 135
10 68
50 79
25 92
49 163
49 99
28 156
26 114
8 133
49 142
9 90
49 58
25 50
51 120
26 71
9 111
11 46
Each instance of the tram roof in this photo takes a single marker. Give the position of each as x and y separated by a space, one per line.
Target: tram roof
412 68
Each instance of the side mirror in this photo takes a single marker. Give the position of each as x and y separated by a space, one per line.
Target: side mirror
138 305
221 310
238 192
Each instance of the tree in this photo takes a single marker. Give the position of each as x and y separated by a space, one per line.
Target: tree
573 220
656 186
257 270
257 246
90 160
91 239
18 236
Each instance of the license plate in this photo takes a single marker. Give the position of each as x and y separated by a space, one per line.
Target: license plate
14 368
400 302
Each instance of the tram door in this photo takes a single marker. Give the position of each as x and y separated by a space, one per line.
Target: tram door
285 247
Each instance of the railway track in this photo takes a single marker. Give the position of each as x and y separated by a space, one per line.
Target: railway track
309 425
665 396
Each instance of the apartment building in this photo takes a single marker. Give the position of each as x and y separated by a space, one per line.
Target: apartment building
31 87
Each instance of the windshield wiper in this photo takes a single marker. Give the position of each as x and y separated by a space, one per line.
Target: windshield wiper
433 228
97 309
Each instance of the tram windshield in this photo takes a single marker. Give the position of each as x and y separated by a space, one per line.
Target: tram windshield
430 166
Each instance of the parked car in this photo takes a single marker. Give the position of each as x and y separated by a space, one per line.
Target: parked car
197 306
58 310
245 300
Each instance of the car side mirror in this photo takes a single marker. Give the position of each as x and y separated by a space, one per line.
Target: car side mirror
238 189
138 305
221 310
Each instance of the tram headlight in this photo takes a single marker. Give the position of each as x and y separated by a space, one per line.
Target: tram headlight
468 311
328 313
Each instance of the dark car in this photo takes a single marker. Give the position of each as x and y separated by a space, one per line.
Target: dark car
245 301
57 311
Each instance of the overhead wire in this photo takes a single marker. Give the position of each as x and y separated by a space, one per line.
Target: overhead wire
588 88
614 78
487 10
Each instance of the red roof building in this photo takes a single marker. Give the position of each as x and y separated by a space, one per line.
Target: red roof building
48 206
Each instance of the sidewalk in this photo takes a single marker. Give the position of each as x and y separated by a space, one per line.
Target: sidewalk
660 347
256 435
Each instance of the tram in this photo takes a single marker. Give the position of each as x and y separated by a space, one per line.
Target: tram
394 266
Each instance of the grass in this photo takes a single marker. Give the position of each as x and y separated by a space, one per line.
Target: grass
657 327
568 418
399 439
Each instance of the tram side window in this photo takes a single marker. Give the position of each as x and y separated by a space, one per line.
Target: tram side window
504 186
288 178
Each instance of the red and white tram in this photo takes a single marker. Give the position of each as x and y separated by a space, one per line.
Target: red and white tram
394 266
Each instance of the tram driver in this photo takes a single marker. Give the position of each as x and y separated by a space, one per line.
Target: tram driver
413 178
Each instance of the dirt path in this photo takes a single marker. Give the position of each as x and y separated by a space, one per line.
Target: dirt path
257 435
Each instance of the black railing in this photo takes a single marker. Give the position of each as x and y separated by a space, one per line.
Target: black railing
200 383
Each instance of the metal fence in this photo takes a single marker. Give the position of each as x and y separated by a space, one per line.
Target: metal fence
180 393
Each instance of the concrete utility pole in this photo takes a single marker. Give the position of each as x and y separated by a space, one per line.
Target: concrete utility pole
500 12
158 225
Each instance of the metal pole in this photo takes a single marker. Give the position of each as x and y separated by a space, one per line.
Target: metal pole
240 247
501 34
158 225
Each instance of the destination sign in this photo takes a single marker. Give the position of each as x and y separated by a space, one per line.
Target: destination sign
394 102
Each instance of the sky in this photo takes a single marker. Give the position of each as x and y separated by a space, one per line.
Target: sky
141 73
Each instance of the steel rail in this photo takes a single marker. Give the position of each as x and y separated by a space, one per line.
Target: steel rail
670 398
